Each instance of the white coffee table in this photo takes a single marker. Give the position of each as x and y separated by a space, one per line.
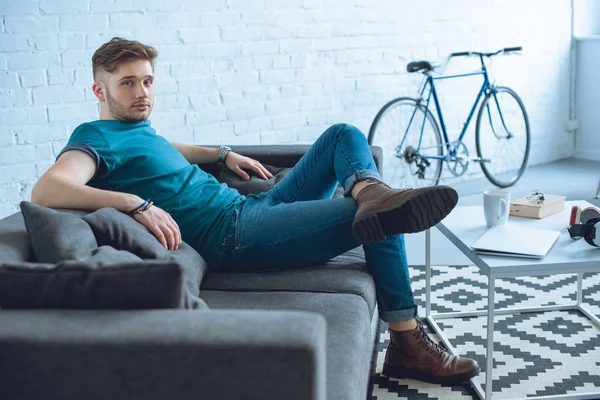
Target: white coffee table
465 225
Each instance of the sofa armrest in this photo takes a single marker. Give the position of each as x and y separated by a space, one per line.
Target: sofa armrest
14 242
283 155
160 354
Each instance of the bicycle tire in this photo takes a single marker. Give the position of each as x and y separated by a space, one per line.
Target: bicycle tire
390 144
493 174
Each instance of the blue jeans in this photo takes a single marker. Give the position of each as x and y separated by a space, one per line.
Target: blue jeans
298 223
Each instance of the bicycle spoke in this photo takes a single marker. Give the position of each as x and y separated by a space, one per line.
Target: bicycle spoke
405 163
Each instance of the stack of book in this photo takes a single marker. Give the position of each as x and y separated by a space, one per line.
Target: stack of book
524 208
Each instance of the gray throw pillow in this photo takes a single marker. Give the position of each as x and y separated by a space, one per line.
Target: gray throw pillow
118 230
55 235
121 231
108 279
255 184
106 255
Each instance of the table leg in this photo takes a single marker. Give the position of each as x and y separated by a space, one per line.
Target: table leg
427 272
490 340
579 288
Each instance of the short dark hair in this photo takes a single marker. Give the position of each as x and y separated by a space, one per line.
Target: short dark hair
117 51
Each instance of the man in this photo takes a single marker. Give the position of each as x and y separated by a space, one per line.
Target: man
119 161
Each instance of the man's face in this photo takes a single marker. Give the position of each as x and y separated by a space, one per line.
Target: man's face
130 91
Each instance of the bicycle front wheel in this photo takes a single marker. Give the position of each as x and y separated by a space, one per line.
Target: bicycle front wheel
409 136
502 136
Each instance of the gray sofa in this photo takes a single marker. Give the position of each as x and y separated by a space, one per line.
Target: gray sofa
305 333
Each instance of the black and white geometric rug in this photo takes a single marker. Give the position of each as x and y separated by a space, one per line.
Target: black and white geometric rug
536 354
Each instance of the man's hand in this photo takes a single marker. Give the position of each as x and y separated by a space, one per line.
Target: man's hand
236 162
162 225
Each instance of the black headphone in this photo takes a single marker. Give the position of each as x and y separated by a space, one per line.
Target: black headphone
585 224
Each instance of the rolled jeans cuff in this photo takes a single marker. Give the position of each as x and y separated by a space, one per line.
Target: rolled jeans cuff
398 315
356 177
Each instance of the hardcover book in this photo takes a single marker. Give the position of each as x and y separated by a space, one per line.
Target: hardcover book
522 207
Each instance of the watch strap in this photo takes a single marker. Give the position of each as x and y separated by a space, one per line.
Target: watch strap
223 153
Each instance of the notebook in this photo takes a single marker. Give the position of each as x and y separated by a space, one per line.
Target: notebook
515 241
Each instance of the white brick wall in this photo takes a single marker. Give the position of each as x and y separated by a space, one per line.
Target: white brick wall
267 71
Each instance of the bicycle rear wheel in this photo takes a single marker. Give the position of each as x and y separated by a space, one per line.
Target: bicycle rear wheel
397 130
502 135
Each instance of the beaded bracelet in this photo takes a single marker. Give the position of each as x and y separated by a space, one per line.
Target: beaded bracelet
146 205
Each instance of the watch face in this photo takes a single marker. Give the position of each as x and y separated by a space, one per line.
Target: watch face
226 148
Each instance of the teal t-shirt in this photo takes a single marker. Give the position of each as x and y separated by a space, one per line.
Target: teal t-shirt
132 158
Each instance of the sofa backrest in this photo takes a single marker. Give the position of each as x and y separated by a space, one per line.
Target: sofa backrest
278 160
14 243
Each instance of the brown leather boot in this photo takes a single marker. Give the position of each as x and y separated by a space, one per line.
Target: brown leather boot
412 354
383 211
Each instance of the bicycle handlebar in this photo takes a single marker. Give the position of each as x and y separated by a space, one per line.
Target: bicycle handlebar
461 54
509 49
476 53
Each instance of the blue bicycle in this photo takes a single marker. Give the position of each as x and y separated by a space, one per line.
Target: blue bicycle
502 134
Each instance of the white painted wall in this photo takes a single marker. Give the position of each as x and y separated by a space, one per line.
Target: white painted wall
587 34
586 17
267 71
587 141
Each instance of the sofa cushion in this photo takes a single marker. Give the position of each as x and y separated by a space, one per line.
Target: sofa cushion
118 230
121 231
107 279
349 339
106 256
255 184
56 236
194 266
346 273
14 241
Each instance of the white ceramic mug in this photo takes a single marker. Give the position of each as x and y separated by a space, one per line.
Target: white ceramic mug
496 207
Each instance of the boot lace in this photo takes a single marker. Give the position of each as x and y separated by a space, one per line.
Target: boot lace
429 344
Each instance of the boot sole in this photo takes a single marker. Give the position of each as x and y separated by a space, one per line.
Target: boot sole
403 373
415 215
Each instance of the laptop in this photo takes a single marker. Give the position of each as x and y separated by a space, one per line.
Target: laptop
516 241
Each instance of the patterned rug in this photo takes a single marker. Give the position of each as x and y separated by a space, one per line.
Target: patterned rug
536 354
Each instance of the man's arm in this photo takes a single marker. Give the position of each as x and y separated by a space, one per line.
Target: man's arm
64 186
236 162
197 154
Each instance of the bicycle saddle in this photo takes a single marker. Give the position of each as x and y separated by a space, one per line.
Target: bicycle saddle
416 66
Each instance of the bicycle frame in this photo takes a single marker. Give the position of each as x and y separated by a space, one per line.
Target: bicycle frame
429 82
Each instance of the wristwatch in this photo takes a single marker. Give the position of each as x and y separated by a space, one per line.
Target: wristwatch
223 153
